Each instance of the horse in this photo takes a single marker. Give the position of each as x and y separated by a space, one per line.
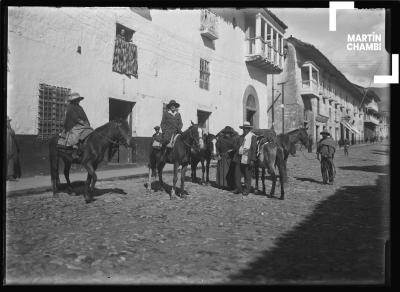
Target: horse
208 152
186 143
93 148
270 155
287 143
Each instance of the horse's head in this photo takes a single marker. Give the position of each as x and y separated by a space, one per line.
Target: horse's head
211 145
303 136
121 132
194 137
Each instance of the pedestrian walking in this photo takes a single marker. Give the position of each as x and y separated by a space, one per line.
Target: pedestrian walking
326 149
346 147
245 158
13 163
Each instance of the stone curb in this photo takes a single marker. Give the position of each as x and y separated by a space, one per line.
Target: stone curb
42 189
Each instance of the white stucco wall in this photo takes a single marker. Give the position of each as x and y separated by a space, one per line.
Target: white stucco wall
43 49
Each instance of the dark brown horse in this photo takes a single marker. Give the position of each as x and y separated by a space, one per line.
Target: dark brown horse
185 144
206 153
288 143
93 151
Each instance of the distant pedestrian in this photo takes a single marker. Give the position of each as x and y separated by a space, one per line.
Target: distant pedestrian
346 147
326 148
13 163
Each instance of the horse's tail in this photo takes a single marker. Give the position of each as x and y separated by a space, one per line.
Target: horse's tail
53 158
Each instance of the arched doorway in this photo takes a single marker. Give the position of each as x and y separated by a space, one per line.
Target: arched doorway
251 107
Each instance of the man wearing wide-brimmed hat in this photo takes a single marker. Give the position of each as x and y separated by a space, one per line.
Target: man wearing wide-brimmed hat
76 123
245 157
326 148
171 123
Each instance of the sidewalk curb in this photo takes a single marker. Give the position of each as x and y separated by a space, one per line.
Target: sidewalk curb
42 189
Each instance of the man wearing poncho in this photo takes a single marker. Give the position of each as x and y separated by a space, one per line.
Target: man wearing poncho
327 148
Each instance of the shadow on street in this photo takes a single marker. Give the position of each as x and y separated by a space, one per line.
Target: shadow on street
368 168
342 241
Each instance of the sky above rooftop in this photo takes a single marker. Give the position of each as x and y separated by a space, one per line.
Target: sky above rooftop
311 25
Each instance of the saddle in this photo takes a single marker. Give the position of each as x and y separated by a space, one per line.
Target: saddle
173 140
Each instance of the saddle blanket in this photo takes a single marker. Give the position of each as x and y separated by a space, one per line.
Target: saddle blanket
77 134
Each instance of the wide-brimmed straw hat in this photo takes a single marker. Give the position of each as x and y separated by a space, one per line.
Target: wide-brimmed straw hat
325 132
246 125
173 103
75 96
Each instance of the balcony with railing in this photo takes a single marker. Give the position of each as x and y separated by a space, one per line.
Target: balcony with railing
262 54
371 119
372 106
309 81
264 45
208 25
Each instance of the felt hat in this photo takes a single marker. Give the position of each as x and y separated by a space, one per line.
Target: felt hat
75 96
173 103
246 125
157 128
325 132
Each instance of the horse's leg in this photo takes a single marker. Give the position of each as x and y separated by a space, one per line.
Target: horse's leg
183 173
94 177
208 171
89 168
282 174
203 170
160 168
54 161
273 176
174 180
67 168
256 174
263 180
193 166
151 171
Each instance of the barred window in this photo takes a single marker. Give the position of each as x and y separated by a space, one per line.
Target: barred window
52 107
204 74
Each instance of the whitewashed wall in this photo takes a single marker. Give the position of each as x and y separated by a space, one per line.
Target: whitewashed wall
43 48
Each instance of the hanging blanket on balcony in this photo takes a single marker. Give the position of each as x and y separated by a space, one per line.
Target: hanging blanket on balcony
125 58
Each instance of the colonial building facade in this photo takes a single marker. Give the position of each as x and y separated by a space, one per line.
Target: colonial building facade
315 94
129 62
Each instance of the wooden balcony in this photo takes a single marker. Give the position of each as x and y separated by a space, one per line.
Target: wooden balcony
208 25
261 54
309 88
371 119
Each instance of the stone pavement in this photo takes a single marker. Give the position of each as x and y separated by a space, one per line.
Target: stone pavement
330 234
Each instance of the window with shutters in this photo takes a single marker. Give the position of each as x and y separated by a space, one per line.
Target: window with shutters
125 52
204 74
52 107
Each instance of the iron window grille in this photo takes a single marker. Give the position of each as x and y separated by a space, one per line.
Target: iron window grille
204 74
52 108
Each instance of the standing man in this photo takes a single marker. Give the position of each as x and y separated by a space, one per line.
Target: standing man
245 158
13 165
157 138
171 124
327 148
76 123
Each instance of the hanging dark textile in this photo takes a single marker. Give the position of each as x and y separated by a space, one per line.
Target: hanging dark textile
125 58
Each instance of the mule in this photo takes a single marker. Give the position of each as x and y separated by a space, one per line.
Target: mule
190 141
208 152
287 143
93 151
270 155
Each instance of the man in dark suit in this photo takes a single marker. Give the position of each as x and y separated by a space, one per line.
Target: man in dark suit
244 158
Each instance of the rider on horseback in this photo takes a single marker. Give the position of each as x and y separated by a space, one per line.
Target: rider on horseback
76 124
171 124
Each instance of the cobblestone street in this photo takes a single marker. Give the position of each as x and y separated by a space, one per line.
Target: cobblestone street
318 234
